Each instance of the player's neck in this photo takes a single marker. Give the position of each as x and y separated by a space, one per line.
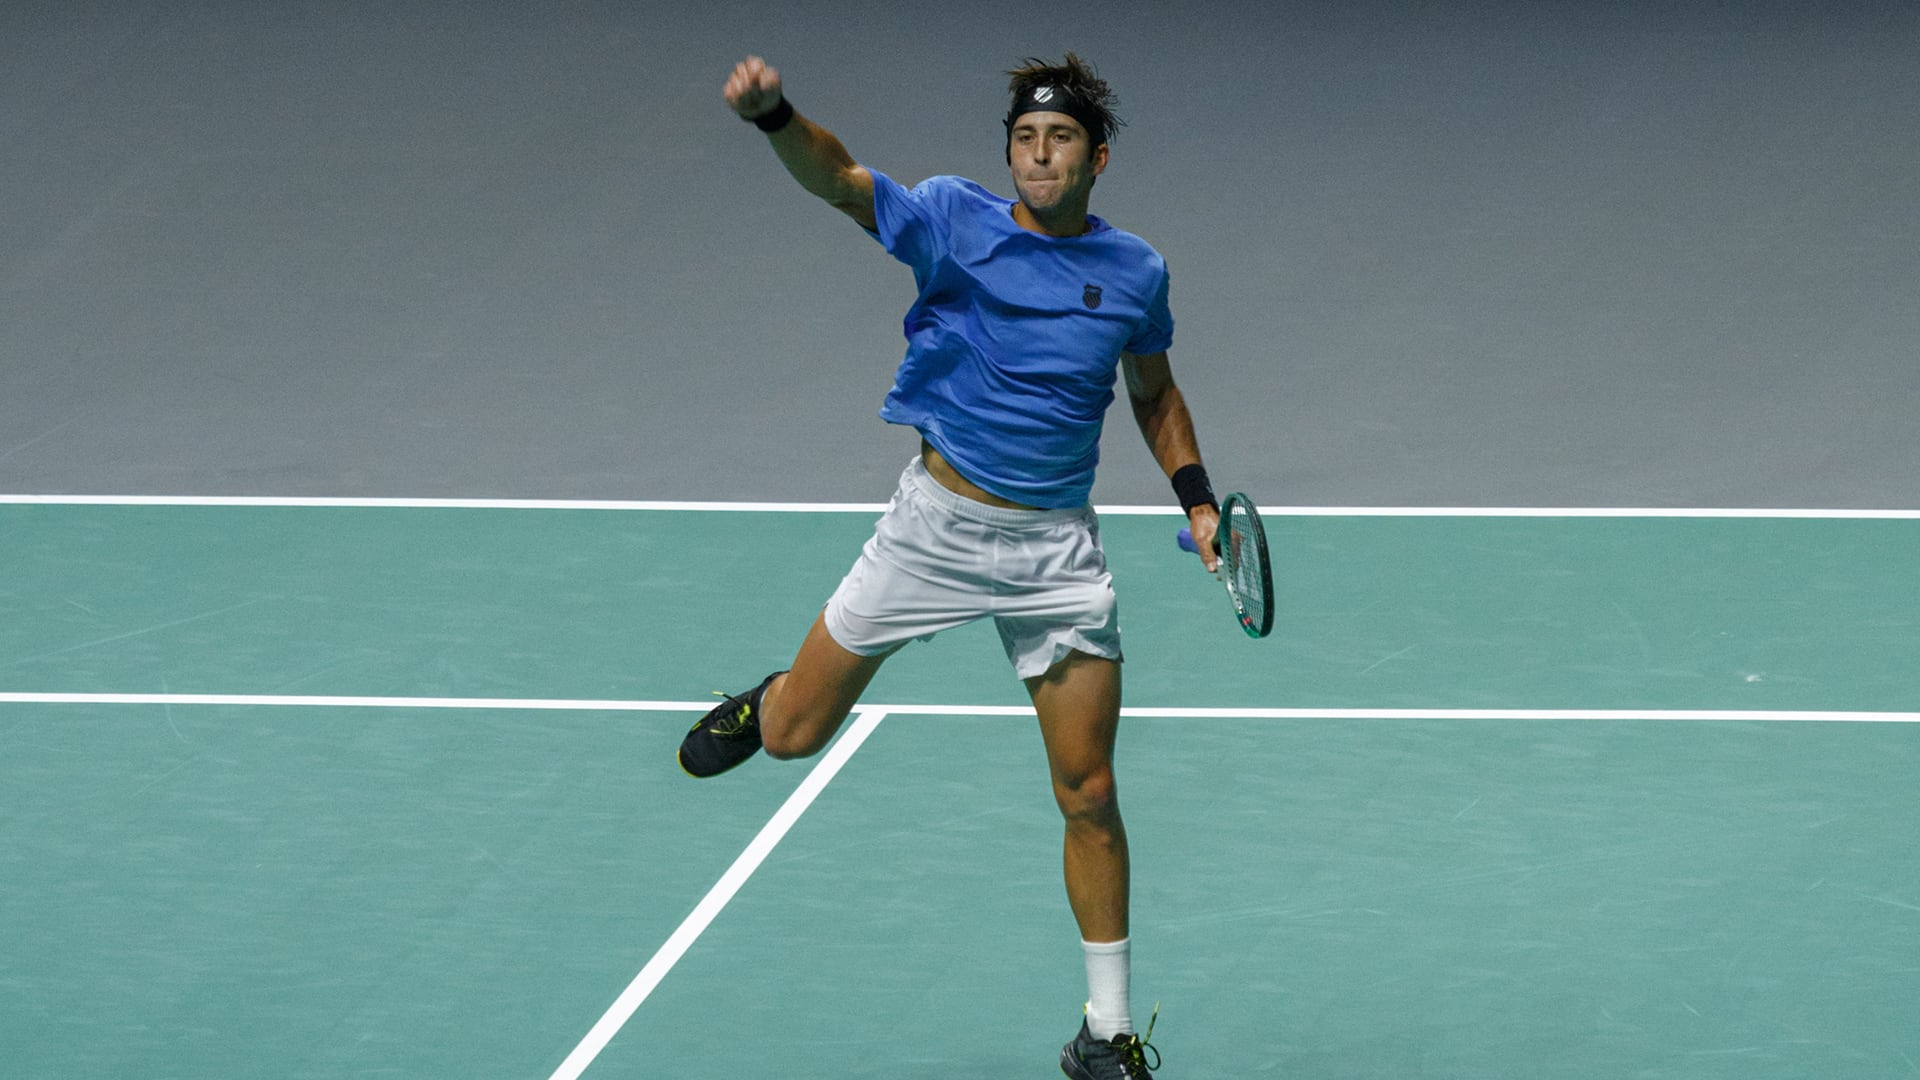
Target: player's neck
1066 221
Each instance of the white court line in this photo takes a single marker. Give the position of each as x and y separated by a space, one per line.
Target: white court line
325 502
866 719
1202 713
643 984
324 701
1171 712
875 508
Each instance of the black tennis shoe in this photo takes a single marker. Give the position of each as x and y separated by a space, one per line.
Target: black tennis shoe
727 736
1124 1057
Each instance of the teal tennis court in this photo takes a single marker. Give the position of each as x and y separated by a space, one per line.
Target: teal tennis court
384 790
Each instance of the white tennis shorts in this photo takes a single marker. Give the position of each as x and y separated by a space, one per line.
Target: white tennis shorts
938 560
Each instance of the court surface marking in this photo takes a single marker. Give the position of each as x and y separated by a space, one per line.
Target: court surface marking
387 786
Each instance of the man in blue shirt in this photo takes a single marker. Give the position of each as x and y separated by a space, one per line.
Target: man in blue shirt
1025 309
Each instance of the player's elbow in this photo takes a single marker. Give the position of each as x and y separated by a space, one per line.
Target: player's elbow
1149 411
860 210
1148 400
850 191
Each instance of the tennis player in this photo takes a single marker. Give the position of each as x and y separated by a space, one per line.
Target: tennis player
1026 308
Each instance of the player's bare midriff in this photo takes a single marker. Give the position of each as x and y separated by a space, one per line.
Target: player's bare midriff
951 479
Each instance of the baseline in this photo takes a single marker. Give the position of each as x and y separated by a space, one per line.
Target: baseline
382 502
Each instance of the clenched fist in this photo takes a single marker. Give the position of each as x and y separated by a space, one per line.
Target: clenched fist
753 89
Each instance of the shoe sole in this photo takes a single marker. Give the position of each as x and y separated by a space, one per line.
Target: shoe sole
679 757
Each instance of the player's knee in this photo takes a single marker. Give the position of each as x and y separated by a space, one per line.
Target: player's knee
794 731
786 743
1089 797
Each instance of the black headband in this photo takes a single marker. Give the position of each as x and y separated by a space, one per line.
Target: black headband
1056 99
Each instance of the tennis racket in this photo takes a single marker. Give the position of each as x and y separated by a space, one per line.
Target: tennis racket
1245 566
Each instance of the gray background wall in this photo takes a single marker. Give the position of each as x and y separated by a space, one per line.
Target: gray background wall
1489 253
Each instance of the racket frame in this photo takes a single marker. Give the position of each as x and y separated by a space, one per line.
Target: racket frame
1230 558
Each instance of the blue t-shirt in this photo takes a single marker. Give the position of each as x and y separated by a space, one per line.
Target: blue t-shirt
1014 340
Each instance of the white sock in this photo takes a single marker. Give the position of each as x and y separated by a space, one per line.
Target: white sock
1109 970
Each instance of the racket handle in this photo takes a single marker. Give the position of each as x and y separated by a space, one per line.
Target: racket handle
1185 539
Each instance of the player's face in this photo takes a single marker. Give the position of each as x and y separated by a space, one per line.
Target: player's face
1053 161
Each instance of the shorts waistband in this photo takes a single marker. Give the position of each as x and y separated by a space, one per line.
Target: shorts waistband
955 503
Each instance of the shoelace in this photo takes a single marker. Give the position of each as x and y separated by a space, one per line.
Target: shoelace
1133 1051
735 721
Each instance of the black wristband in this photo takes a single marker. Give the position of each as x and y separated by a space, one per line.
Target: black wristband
774 119
1190 486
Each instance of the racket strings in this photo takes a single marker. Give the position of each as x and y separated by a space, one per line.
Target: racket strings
1245 571
1244 558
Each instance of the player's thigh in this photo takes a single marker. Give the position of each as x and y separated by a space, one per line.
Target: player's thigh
1078 702
811 703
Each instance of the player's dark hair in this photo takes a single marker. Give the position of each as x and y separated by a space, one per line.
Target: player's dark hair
1091 95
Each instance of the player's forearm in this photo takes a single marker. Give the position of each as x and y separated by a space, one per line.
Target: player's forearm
817 159
1168 428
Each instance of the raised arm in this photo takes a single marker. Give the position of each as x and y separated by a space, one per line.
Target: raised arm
810 152
1162 414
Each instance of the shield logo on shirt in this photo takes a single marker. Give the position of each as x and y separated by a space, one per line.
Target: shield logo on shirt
1091 294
